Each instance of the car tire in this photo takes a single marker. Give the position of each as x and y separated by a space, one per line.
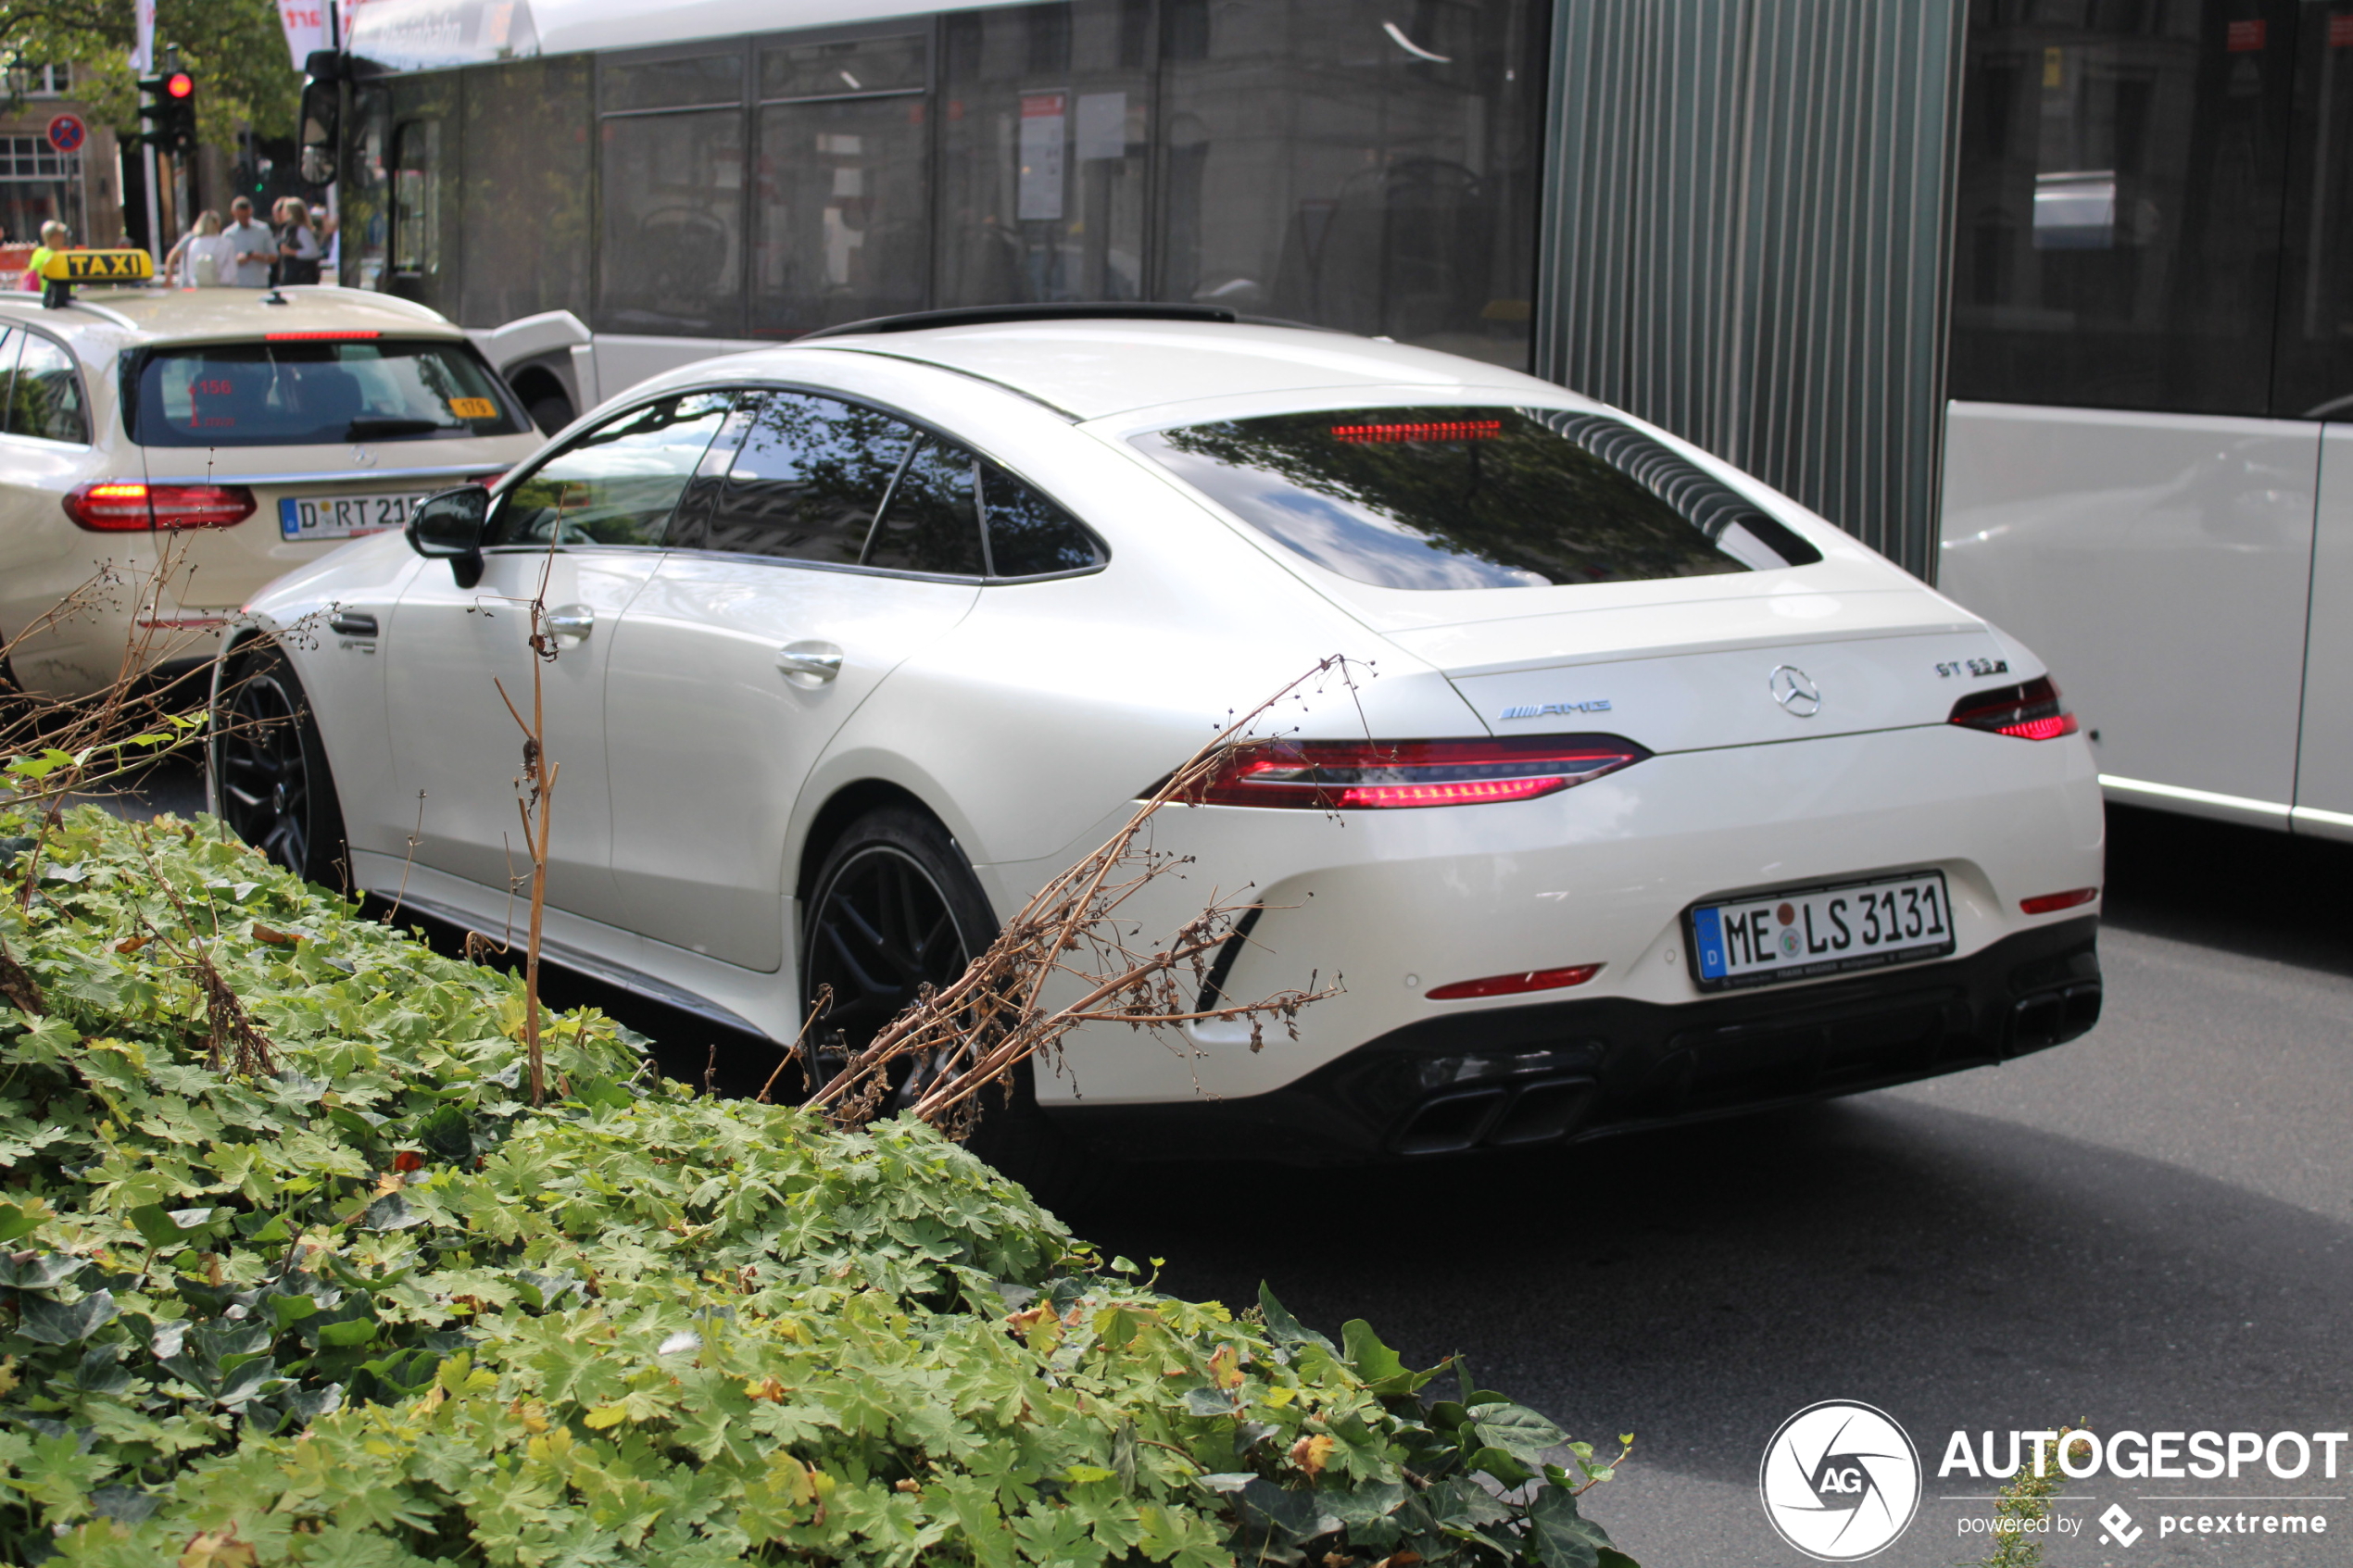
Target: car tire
895 905
275 789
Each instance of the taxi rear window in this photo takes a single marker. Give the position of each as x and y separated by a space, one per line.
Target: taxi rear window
1456 497
317 391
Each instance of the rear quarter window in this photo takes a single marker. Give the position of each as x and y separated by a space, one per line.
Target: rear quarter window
1475 498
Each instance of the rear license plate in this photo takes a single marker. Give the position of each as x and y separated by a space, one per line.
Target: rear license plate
341 517
1810 932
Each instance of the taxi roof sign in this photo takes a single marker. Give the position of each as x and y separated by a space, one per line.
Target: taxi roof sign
98 267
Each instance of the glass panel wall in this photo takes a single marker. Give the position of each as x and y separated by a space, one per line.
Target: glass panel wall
526 191
1043 152
843 194
672 189
2118 212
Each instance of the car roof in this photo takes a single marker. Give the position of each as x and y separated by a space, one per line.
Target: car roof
122 317
1091 368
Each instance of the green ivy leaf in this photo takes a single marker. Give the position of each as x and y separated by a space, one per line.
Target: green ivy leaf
1561 1536
54 1322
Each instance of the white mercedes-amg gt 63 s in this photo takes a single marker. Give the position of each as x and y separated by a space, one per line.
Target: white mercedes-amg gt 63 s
1655 796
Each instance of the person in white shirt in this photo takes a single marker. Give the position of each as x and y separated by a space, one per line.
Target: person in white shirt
207 258
253 245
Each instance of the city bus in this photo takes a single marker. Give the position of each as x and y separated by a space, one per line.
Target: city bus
2046 299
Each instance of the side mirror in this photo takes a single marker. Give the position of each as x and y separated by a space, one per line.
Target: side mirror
322 109
448 527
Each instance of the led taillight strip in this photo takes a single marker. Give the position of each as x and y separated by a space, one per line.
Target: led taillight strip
2031 710
1389 775
1445 429
130 506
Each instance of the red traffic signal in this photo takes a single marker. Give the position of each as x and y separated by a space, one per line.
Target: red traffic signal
179 85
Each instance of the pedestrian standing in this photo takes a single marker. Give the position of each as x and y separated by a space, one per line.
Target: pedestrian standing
54 236
206 258
252 246
298 248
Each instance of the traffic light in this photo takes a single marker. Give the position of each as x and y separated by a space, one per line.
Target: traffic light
168 105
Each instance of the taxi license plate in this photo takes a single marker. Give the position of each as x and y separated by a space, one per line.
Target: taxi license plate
341 517
1810 932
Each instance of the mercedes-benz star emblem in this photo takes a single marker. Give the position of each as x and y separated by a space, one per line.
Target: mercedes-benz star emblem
1795 691
362 458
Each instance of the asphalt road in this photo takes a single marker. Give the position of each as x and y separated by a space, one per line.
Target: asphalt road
2151 1228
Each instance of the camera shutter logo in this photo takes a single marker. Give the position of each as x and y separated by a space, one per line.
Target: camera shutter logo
1840 1481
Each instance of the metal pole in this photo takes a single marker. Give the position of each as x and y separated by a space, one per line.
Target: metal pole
155 221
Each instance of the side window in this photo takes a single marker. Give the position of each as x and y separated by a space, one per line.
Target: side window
804 482
933 524
416 198
11 340
618 484
45 399
1028 534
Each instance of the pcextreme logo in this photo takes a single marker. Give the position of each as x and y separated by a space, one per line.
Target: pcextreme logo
1841 1481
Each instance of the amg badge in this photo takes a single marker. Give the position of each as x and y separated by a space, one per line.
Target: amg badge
1547 709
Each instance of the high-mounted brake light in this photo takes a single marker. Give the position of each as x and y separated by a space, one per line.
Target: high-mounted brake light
319 337
117 505
1438 430
1512 984
2033 711
1368 775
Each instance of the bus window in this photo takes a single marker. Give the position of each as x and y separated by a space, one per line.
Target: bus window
416 199
2314 374
526 196
673 185
2118 218
843 192
1043 152
1357 165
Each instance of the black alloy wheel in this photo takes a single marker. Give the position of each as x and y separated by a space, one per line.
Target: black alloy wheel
894 909
895 906
276 792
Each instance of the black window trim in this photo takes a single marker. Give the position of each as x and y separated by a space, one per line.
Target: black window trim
923 428
81 388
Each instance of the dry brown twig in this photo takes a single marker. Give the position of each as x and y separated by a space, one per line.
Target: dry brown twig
976 1031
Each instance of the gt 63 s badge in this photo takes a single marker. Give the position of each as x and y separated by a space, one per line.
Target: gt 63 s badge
1840 1481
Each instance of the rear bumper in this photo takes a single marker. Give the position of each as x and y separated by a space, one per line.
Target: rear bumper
1564 1071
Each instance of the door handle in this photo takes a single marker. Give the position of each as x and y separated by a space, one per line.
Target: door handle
810 664
574 621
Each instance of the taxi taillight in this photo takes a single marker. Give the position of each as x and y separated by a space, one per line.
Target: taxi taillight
118 506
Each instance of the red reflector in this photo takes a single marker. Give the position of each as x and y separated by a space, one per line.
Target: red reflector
1328 775
1511 984
318 337
2050 902
2030 712
1441 430
129 507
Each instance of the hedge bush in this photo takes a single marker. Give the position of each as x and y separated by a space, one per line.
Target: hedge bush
359 1303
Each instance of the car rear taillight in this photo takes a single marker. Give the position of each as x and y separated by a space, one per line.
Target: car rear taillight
118 506
1366 775
2033 711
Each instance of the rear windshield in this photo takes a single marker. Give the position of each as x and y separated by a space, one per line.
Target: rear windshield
1454 497
314 392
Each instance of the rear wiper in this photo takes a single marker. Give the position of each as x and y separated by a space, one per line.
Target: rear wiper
379 428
